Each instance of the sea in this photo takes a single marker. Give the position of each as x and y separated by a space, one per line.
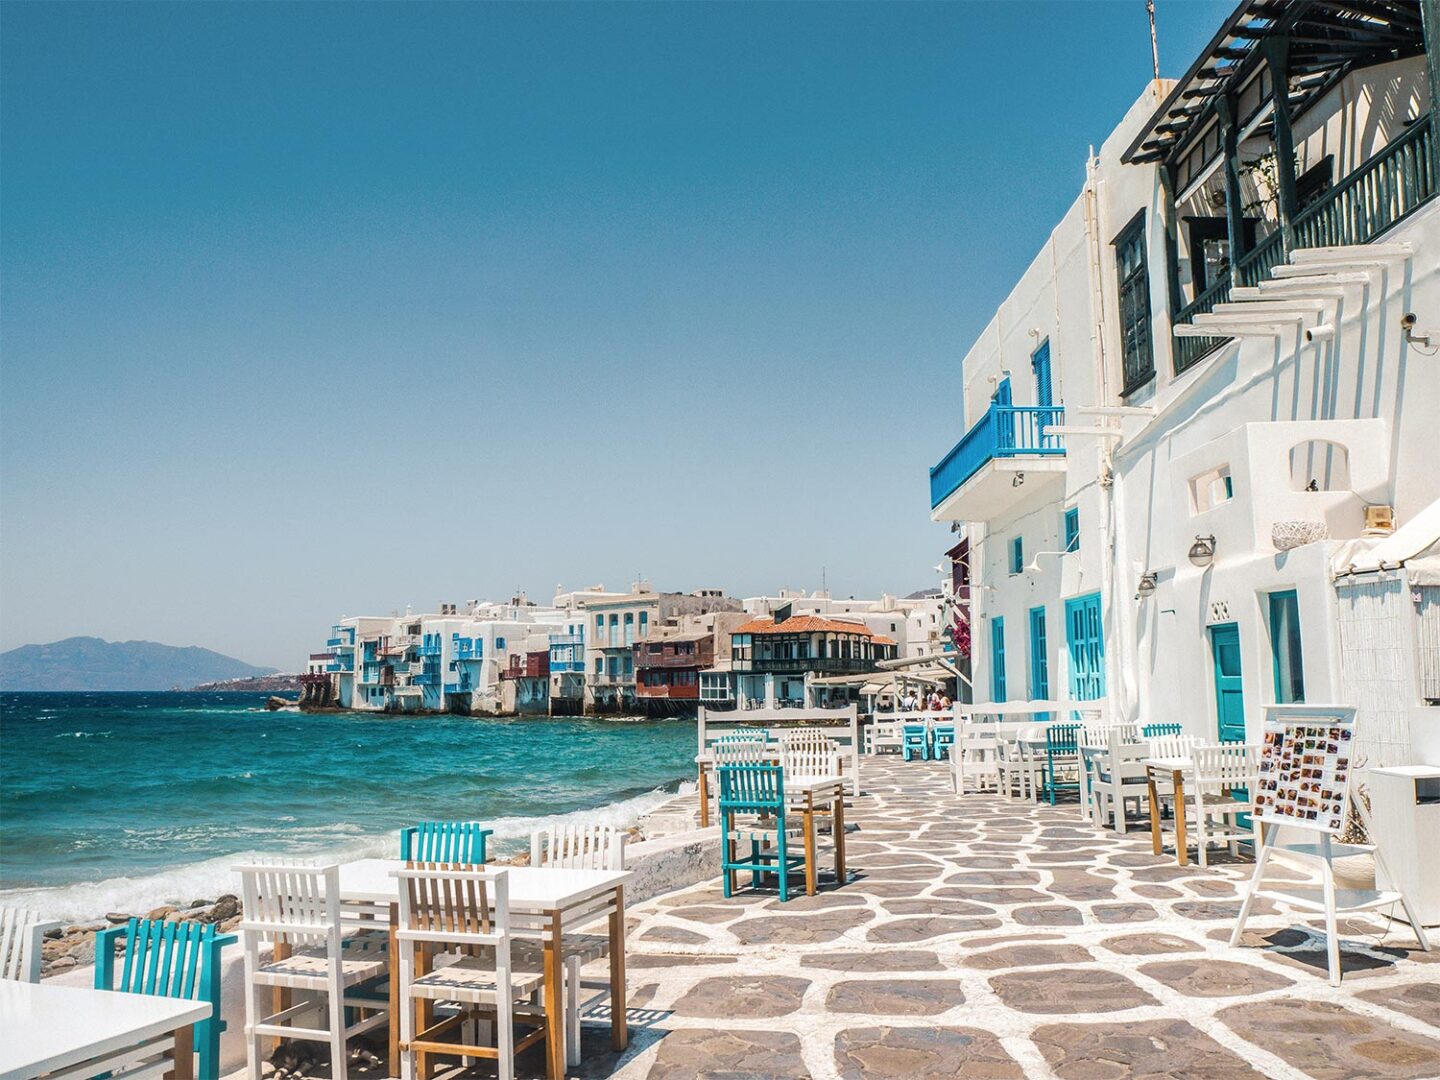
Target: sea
125 801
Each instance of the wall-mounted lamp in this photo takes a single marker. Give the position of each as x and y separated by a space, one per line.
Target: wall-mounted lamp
1407 323
1017 479
1034 565
1202 552
1146 586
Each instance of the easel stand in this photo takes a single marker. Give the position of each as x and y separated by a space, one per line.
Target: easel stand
1328 899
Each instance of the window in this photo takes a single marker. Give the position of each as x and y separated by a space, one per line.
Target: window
1040 364
1285 644
1135 345
644 622
1017 555
1211 489
1072 529
997 660
499 644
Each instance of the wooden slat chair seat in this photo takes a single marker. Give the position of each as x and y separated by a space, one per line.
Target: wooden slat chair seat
174 960
1153 731
752 795
449 842
294 907
450 910
579 847
22 936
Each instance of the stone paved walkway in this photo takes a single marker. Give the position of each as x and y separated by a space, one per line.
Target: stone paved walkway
989 938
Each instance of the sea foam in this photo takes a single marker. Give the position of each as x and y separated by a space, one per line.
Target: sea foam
209 878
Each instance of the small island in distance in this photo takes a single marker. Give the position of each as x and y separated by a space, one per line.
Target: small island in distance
93 664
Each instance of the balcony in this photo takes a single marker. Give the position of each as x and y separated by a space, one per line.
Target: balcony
1005 460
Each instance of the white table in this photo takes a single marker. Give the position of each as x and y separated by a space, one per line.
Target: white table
542 898
1177 767
46 1028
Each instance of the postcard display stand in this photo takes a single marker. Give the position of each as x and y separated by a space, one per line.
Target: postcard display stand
1305 767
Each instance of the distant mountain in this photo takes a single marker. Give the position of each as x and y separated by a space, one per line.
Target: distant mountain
90 663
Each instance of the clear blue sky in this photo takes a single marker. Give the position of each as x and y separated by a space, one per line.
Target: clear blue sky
326 309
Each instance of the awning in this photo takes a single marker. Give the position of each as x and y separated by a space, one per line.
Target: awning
1415 545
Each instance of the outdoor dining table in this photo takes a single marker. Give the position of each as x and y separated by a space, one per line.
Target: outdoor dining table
1176 767
47 1029
705 765
552 895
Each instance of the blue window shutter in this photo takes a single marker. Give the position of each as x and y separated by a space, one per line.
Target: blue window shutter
1072 529
1040 362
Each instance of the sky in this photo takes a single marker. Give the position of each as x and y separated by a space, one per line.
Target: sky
330 309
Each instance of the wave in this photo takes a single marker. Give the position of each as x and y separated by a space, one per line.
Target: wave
213 877
84 734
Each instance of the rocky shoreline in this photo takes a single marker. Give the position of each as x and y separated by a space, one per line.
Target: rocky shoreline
73 945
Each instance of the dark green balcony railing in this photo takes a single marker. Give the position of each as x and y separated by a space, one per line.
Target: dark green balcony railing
1255 265
1375 196
1189 350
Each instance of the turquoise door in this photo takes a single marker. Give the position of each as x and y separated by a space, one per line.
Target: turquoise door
997 660
1085 640
1040 363
1229 697
1039 660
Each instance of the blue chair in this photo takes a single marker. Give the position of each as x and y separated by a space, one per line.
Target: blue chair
444 842
915 739
759 790
1062 742
1152 731
943 739
174 960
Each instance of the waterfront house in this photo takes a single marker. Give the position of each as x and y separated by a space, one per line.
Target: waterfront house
772 656
1201 410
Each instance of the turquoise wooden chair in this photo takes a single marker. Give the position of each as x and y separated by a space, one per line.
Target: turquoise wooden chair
756 790
915 739
1153 731
1062 747
942 740
174 960
444 842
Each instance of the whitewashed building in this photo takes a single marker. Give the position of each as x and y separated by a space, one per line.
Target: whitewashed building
1204 406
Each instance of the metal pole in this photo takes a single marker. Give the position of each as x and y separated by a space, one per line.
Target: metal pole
1154 43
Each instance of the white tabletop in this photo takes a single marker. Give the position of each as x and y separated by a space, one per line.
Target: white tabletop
1169 764
812 785
532 888
48 1027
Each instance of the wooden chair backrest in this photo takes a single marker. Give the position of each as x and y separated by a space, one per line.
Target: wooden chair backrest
579 847
21 932
1061 737
1153 731
165 959
292 902
752 788
739 751
809 757
444 842
1173 746
454 905
1228 765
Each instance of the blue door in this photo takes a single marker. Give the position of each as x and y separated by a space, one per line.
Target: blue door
1085 639
997 660
1040 363
1039 660
1229 696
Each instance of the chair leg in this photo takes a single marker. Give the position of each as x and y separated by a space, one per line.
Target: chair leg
207 1044
784 870
1202 840
335 1013
755 875
252 1041
572 1011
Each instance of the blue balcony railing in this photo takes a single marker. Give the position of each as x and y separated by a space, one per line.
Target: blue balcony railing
1004 431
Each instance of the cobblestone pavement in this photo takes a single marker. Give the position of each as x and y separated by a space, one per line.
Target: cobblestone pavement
982 937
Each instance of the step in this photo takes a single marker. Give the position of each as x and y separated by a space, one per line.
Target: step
1278 304
1401 249
1313 899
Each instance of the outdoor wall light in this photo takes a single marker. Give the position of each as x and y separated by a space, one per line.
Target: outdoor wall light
1017 479
1146 586
1202 552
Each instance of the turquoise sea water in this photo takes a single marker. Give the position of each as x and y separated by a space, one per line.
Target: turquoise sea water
126 801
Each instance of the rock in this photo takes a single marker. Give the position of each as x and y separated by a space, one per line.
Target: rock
61 963
230 924
117 917
84 928
198 903
54 948
160 912
225 908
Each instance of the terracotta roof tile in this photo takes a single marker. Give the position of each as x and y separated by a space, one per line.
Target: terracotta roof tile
802 624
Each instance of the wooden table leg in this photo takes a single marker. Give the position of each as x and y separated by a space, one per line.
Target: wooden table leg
182 1057
393 1064
619 1023
704 787
808 814
1154 812
554 1001
1182 851
837 827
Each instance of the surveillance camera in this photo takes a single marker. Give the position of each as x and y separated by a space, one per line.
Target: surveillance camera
1408 320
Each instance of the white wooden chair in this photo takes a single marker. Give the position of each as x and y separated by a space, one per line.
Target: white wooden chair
461 916
1219 772
1017 767
1117 775
809 752
885 735
574 847
295 908
731 751
975 757
22 939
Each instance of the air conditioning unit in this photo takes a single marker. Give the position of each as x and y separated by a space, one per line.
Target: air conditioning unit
1379 520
